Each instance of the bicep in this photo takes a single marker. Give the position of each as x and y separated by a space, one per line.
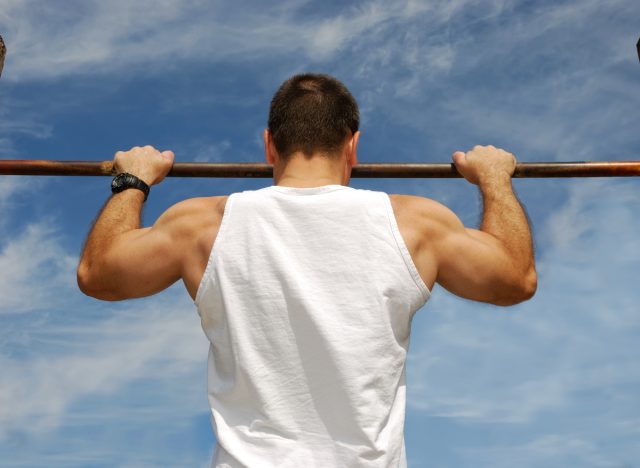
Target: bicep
469 263
475 265
145 261
140 263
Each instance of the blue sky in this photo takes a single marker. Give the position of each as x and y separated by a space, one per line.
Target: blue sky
551 383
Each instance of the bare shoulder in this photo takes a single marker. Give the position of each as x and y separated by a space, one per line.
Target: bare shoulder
422 223
194 225
423 212
414 202
194 212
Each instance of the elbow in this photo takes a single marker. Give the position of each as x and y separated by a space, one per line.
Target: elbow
87 284
524 290
83 279
519 292
530 285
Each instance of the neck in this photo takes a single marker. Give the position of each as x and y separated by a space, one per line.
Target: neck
313 172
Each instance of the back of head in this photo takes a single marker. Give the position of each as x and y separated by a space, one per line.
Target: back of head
312 113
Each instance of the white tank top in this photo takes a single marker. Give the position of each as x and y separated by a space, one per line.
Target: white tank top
307 300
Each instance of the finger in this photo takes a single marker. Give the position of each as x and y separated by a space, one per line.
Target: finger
458 157
168 155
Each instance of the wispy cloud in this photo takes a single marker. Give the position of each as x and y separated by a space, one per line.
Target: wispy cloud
548 450
213 152
558 356
34 270
17 119
123 36
70 363
133 345
547 80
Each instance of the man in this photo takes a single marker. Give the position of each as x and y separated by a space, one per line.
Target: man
306 289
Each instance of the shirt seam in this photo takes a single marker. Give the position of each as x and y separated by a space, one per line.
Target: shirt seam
309 192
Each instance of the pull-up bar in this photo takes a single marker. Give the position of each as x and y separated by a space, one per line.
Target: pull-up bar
377 170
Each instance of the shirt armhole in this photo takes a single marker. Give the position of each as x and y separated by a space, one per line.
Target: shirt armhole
204 283
404 251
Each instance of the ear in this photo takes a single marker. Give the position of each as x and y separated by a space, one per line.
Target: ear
269 149
353 146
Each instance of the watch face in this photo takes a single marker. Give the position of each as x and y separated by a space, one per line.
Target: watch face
117 182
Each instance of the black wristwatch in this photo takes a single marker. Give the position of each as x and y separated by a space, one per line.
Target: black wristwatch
125 180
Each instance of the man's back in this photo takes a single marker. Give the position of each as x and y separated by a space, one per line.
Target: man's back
307 301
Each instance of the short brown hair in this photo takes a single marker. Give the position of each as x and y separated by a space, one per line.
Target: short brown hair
311 113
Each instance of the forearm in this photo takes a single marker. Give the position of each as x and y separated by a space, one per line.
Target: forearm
121 213
505 219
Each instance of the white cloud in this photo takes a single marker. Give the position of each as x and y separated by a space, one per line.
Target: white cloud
34 270
17 120
470 68
70 362
549 356
121 36
9 186
552 82
548 450
149 339
212 152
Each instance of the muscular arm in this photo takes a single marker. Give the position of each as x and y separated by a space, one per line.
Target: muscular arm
504 218
494 264
122 261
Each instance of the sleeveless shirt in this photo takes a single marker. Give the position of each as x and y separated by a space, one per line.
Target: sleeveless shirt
307 300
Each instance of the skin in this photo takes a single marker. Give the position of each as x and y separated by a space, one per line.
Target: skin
493 264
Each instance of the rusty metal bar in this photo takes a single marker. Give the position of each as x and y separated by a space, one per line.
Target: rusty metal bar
378 170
